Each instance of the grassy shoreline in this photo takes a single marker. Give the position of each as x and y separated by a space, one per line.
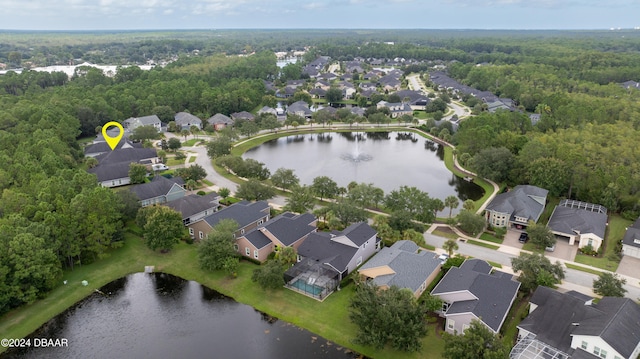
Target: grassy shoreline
182 262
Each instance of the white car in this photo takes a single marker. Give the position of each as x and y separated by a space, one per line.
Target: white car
159 167
443 258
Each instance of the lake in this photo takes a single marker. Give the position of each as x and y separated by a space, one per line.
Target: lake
386 159
161 316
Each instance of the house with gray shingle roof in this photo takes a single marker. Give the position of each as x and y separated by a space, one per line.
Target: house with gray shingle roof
134 122
220 121
113 166
474 291
160 190
631 240
194 207
517 207
185 120
97 148
285 230
396 109
242 115
299 108
562 325
325 259
248 215
402 265
581 222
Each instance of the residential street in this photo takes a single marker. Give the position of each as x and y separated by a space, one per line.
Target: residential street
574 279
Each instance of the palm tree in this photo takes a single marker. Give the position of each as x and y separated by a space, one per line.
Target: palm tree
469 205
451 202
450 245
194 130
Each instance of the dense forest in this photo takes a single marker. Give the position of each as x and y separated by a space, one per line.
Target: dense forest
54 216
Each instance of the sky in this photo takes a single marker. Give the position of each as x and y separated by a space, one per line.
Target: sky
280 14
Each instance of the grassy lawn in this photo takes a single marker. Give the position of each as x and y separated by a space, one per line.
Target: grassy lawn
533 248
548 209
444 234
615 232
490 238
329 318
494 264
207 182
174 162
581 268
518 311
191 142
192 159
482 244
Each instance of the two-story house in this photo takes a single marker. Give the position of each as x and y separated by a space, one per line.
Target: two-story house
248 215
566 325
517 207
194 207
159 191
475 291
285 230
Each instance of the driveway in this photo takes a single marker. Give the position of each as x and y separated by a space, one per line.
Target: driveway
629 267
511 239
563 251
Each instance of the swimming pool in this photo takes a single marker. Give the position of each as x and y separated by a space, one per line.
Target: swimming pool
309 288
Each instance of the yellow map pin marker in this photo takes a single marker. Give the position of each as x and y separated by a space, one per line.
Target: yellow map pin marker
112 141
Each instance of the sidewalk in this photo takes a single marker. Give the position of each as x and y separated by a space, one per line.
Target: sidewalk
516 252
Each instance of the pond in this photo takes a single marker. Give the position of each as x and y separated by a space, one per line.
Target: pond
161 316
386 159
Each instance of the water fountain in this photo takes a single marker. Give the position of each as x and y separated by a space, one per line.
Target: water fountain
357 156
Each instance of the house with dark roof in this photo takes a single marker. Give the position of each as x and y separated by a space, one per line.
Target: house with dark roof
415 99
97 148
390 82
631 85
402 265
248 215
220 121
563 325
194 207
160 190
475 291
517 207
318 93
299 108
396 109
269 110
324 259
134 122
185 120
631 240
242 115
113 166
581 222
284 230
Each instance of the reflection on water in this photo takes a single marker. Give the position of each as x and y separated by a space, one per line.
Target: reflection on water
161 316
388 159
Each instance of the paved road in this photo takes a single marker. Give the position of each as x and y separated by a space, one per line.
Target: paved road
416 84
574 279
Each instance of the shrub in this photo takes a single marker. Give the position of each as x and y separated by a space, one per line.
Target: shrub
201 193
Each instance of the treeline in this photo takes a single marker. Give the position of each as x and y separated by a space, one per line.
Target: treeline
53 214
591 161
204 87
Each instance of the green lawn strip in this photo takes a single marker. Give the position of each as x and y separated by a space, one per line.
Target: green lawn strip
444 234
482 244
174 162
533 248
552 202
490 238
581 268
598 262
207 182
191 142
192 159
518 311
495 264
328 319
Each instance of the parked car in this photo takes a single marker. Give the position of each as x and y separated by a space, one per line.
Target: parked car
551 248
524 237
159 167
443 258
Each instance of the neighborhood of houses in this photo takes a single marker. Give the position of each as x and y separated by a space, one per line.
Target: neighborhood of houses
558 325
